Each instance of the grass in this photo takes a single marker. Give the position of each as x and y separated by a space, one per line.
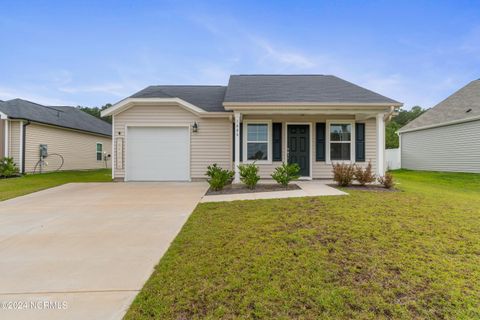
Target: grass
399 255
14 187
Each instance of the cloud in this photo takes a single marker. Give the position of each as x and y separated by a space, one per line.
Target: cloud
114 89
31 94
286 57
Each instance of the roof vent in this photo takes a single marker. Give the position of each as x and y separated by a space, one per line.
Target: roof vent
468 110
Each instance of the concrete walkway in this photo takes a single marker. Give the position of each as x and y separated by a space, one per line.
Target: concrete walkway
85 250
312 188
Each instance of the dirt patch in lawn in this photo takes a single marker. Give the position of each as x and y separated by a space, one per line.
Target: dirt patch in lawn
373 188
235 189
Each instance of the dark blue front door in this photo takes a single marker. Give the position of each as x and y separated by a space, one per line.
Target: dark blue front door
298 145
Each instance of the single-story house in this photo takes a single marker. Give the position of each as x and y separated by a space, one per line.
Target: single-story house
174 132
69 138
447 136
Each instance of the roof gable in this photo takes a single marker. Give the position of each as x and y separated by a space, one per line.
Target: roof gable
463 104
63 116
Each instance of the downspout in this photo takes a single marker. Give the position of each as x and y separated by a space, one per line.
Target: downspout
24 134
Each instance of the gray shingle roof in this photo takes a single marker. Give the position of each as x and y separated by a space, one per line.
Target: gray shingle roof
299 88
63 116
209 98
452 108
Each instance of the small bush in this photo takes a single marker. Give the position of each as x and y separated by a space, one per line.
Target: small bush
286 173
387 180
249 174
343 174
218 177
8 168
364 175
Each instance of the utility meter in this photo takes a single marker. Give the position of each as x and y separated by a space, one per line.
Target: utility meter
43 151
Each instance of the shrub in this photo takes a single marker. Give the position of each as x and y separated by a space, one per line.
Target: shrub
218 177
249 174
8 168
387 180
364 175
343 174
286 173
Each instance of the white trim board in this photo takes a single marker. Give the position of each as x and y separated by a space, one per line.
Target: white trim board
443 124
156 102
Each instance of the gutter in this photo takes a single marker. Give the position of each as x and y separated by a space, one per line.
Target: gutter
64 127
443 124
24 143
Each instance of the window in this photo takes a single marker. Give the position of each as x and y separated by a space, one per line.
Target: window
257 141
340 141
99 151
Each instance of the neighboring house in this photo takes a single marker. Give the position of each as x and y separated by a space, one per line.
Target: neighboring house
175 132
447 136
82 140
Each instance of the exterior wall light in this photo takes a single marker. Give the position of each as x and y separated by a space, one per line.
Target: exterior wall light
195 127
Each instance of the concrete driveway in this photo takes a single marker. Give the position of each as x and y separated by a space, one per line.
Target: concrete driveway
83 251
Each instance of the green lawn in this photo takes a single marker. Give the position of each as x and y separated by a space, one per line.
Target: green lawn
402 255
14 187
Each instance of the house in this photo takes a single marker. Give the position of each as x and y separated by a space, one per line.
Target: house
70 139
447 136
166 133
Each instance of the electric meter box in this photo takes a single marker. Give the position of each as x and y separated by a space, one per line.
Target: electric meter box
43 151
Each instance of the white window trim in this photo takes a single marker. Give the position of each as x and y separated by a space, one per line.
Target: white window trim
352 141
96 151
269 141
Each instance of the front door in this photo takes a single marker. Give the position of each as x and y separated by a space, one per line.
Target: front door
298 147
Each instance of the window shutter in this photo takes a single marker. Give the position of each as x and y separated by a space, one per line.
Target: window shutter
241 141
320 145
360 142
277 141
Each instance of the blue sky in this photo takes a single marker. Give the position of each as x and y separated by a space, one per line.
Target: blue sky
94 52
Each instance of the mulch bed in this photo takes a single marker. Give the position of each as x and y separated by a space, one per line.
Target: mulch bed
370 187
240 188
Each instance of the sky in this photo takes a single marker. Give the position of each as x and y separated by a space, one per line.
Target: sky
91 53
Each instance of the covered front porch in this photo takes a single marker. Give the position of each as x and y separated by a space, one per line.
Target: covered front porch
312 137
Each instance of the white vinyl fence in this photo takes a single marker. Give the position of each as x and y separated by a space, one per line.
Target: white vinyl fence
392 159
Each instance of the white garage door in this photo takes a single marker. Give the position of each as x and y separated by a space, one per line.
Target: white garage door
157 154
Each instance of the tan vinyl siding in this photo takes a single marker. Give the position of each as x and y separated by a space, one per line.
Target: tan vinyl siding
320 169
14 141
2 138
449 148
211 144
77 148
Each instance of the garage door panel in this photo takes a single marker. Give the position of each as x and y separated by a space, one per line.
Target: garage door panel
158 154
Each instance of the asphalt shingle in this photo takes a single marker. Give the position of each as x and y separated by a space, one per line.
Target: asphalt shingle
209 98
463 104
298 88
63 116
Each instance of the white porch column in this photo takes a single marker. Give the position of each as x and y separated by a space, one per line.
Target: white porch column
7 138
238 117
380 144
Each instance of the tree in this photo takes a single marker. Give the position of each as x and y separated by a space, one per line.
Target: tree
403 117
95 111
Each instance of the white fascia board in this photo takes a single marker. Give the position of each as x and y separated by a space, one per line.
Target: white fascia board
238 105
443 124
130 102
3 116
